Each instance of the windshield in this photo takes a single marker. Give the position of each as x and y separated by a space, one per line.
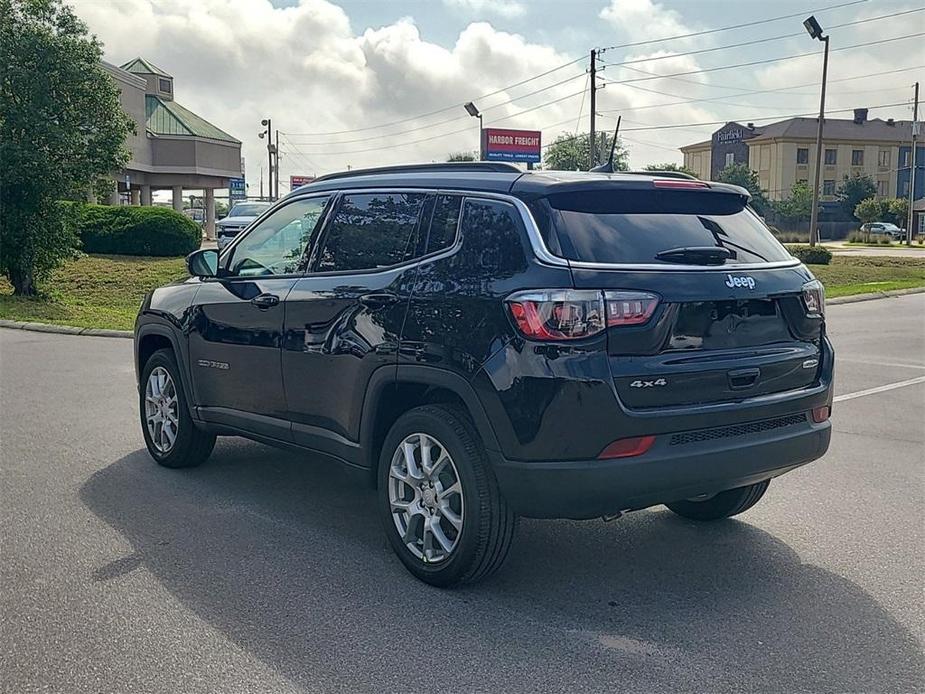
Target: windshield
252 209
634 226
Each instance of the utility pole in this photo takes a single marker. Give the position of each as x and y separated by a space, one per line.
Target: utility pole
276 155
915 137
815 31
592 141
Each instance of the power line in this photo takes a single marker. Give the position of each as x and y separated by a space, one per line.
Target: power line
756 41
734 26
719 99
655 76
446 108
432 125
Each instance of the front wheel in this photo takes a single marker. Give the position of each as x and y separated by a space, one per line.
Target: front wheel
722 505
172 438
438 498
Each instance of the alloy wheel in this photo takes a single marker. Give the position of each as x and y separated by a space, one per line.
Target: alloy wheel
425 497
161 410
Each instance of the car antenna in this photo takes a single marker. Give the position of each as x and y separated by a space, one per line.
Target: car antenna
608 167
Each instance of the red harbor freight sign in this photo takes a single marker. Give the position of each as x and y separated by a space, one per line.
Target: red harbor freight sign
511 145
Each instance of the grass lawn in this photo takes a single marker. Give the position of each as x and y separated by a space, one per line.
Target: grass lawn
95 291
105 291
849 275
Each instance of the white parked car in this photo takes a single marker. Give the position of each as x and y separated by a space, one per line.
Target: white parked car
883 229
239 218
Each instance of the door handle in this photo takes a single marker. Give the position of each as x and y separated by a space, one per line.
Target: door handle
265 300
379 299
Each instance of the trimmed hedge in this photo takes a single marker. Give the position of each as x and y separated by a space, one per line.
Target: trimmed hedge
129 230
811 255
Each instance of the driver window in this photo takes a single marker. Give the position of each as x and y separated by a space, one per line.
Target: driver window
277 245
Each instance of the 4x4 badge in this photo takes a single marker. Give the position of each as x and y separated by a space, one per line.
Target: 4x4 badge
648 384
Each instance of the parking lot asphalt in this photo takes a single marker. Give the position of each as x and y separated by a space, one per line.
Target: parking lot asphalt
265 571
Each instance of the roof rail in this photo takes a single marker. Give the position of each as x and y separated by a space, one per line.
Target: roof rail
662 174
455 166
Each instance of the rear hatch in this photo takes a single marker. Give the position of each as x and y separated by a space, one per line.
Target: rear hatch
724 304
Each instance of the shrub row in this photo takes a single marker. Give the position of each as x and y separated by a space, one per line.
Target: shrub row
811 255
128 230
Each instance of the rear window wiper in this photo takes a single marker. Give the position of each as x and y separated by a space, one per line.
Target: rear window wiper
696 255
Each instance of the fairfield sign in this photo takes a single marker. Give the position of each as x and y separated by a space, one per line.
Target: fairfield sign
511 145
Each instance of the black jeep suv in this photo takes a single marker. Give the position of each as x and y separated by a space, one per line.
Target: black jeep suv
484 343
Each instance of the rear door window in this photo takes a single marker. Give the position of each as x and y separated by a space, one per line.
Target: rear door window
633 226
444 222
371 231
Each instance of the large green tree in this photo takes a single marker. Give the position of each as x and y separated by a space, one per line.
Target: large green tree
741 175
853 190
61 132
570 152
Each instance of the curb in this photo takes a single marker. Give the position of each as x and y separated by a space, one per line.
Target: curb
870 297
101 332
64 329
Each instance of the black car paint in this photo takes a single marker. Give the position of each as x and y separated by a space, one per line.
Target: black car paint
309 371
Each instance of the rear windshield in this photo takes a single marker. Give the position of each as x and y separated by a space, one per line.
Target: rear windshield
633 226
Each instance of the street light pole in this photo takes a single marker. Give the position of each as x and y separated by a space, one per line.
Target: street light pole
473 111
915 137
815 31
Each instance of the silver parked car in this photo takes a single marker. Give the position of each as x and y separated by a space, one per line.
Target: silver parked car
883 229
239 218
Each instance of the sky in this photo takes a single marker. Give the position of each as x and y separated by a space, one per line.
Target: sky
375 82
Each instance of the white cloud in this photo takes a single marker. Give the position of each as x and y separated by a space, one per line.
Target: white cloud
644 20
502 8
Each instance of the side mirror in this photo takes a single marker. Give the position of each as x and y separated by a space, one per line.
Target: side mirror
203 263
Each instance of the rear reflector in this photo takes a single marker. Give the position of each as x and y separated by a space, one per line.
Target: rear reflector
675 183
820 414
627 448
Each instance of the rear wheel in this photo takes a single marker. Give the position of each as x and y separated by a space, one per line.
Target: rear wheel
173 440
438 498
723 505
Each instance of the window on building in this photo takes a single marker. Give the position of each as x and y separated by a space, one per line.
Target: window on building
164 85
883 159
857 157
881 189
802 155
831 157
828 187
904 189
730 158
904 158
372 231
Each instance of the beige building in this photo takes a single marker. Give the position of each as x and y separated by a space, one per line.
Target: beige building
172 148
784 153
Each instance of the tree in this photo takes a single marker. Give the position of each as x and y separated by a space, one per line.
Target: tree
61 133
570 152
669 166
741 175
868 210
463 156
896 210
798 206
853 190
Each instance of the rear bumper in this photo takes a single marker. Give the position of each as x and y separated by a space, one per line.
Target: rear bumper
667 472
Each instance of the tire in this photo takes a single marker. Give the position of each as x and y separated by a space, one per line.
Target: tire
723 505
190 446
480 545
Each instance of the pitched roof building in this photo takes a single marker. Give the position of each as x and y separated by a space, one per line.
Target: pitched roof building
783 153
172 147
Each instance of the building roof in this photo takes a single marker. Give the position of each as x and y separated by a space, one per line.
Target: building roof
697 145
169 118
140 66
837 129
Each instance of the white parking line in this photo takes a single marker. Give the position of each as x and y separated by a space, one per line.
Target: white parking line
879 389
880 363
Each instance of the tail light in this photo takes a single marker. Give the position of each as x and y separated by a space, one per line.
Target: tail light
678 184
573 314
627 448
814 298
